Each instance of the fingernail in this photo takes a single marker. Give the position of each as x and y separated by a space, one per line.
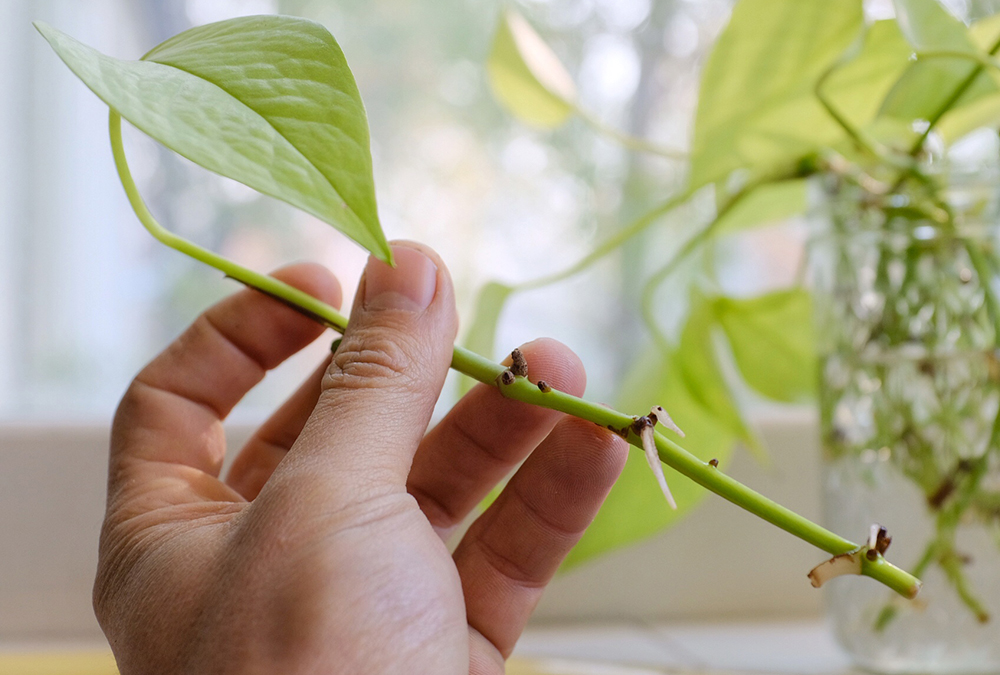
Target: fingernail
410 285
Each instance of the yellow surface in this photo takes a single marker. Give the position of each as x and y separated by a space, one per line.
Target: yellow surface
58 663
102 663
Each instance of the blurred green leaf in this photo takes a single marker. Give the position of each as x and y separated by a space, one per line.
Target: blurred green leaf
635 508
268 101
698 363
985 32
929 83
765 204
970 115
772 341
481 336
757 108
926 24
527 77
983 112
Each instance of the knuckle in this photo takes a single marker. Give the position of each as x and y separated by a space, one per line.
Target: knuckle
366 360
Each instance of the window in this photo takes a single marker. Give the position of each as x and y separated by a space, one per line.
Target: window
86 296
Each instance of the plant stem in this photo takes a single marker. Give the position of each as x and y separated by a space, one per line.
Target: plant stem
488 372
649 292
628 141
819 90
610 244
952 99
860 138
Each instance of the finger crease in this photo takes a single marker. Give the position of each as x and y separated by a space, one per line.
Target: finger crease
257 361
282 442
508 567
207 404
440 516
490 451
537 515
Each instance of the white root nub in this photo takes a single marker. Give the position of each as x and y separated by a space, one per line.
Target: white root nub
838 565
649 446
873 536
658 414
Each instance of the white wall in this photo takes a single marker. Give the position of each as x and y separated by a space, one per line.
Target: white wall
720 562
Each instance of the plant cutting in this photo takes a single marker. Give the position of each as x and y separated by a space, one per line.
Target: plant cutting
298 132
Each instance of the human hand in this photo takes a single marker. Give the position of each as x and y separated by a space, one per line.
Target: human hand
323 551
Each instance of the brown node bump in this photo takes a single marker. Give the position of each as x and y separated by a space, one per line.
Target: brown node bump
507 377
714 462
544 387
878 542
518 365
883 541
640 423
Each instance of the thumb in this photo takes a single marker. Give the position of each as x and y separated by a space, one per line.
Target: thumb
380 389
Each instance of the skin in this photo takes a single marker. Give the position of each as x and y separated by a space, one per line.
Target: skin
324 549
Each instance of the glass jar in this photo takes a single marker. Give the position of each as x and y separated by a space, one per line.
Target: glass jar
907 325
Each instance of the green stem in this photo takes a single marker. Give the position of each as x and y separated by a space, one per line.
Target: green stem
488 372
649 292
952 566
952 99
982 59
629 141
869 145
610 244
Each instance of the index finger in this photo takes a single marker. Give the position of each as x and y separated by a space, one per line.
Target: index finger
173 411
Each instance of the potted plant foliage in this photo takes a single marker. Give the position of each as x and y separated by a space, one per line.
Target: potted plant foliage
885 132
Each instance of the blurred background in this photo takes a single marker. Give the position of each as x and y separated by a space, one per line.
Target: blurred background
87 297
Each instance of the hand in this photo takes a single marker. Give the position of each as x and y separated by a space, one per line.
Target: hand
324 551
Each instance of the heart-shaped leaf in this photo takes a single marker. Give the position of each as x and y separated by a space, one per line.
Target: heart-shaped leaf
268 101
527 77
970 113
765 205
929 83
772 340
757 108
698 364
928 25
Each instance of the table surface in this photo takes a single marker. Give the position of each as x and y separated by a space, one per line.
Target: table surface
793 647
800 647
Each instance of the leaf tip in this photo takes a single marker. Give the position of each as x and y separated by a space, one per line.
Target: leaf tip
384 253
44 29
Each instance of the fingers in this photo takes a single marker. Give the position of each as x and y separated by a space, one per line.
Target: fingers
379 391
172 412
485 436
271 442
511 552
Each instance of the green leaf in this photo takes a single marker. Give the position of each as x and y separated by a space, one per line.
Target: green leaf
527 77
929 83
757 108
927 25
985 32
699 367
635 508
772 341
268 101
482 331
766 204
970 114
